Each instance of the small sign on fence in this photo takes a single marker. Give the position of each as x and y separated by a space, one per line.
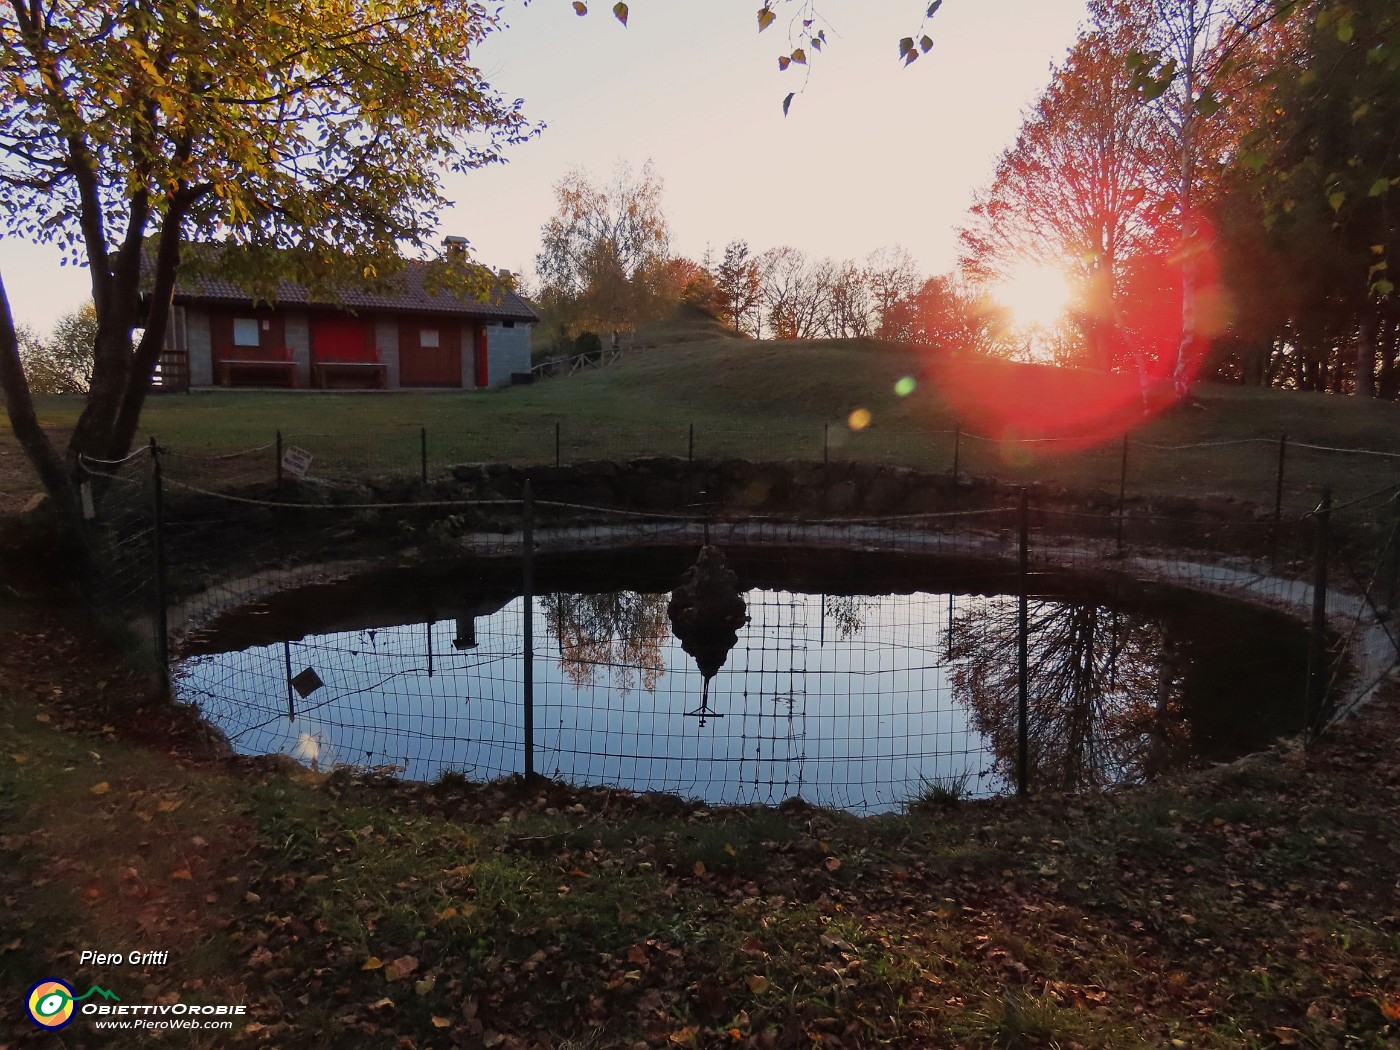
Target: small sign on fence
296 461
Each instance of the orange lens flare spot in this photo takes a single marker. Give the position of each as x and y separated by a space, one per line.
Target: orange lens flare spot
859 419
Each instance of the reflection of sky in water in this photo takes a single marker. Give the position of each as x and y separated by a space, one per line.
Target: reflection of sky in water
842 701
857 702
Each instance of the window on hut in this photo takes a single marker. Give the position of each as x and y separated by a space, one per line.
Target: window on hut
245 332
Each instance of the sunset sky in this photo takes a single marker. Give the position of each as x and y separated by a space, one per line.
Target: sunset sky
871 154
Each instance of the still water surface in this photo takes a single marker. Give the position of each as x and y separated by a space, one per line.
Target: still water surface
857 681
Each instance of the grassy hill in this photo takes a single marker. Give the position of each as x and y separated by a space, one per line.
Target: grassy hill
776 399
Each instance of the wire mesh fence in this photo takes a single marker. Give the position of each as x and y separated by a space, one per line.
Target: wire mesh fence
884 660
1281 477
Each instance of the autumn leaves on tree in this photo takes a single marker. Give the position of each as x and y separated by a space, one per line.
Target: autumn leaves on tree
316 142
1217 213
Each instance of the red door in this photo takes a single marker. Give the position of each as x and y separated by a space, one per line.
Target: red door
339 337
430 352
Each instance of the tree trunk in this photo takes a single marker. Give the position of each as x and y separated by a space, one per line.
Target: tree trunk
19 405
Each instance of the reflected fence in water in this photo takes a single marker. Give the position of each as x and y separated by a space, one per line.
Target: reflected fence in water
884 659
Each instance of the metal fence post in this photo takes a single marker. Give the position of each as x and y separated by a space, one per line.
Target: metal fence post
527 581
158 523
423 454
1122 493
957 451
279 459
1023 654
558 453
826 466
291 694
1278 501
1317 638
690 466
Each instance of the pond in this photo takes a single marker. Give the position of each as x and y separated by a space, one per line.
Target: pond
850 679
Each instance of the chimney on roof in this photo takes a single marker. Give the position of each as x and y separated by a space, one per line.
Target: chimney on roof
505 275
455 244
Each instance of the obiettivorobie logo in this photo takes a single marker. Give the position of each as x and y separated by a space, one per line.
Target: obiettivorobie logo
50 1002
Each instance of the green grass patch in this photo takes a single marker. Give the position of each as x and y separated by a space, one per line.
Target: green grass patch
767 400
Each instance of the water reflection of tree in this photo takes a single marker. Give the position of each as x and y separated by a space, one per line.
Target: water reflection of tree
622 631
1103 698
845 614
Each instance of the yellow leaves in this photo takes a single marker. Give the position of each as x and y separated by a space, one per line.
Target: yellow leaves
758 983
766 17
685 1036
43 716
100 789
397 970
465 911
1390 1009
799 56
580 8
425 985
441 1022
20 760
169 805
832 864
620 12
699 868
182 873
461 871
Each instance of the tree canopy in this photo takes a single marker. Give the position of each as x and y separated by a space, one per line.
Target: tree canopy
313 135
604 254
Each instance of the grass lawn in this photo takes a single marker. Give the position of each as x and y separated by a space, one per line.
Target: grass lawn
1251 909
785 400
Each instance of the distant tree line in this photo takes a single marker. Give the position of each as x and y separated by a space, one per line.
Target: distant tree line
605 268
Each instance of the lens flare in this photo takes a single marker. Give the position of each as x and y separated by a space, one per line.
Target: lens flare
1037 294
1142 355
905 386
859 419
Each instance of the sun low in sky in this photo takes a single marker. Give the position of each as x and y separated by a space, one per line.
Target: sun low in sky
1037 294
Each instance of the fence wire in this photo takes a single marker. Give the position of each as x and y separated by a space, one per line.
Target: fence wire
875 666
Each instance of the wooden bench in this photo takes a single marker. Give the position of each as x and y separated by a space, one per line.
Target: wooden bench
280 368
375 372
